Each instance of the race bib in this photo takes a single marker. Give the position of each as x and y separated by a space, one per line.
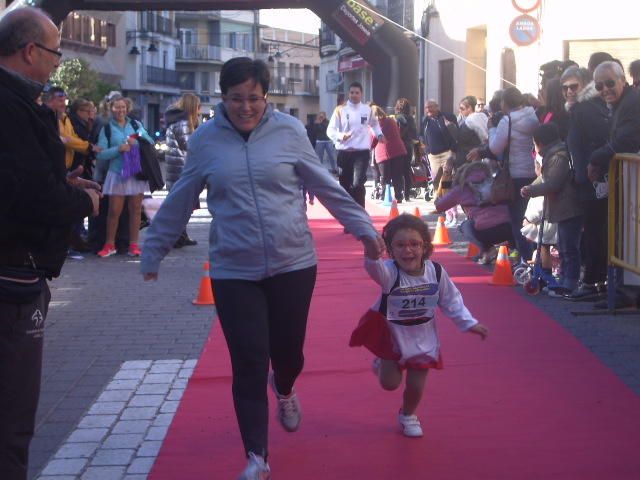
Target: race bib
411 304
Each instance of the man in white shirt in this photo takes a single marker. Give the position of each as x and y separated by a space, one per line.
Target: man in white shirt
349 131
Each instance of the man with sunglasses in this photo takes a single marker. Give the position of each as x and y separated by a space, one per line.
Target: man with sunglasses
623 103
38 205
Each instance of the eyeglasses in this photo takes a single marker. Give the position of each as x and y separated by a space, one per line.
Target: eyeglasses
607 83
57 53
411 245
571 86
238 100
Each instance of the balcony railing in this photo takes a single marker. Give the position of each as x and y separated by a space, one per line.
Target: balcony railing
162 76
198 52
154 23
309 87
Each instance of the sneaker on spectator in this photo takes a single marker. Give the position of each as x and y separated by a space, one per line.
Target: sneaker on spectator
584 293
410 425
514 256
288 409
257 469
134 250
108 250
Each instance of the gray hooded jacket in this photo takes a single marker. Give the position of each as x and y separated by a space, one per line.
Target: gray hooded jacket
523 123
259 226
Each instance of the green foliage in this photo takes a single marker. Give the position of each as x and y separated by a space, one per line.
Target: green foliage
80 81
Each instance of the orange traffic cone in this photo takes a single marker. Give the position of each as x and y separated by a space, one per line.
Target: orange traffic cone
393 213
472 250
502 274
205 294
417 213
441 236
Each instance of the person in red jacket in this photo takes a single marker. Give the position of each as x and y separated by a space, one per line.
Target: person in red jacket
390 155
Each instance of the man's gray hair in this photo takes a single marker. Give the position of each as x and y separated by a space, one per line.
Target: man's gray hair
19 28
614 67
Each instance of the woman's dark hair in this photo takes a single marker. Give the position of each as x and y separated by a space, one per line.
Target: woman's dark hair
546 134
495 104
597 58
240 69
409 222
403 106
512 97
553 98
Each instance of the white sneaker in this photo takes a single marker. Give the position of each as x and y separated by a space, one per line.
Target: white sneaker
257 469
410 425
288 408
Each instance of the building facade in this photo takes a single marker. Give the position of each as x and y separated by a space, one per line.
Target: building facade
294 61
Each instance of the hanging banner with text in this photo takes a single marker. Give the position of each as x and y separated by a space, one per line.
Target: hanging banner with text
359 21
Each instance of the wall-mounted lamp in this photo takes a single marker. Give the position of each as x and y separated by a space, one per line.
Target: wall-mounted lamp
133 35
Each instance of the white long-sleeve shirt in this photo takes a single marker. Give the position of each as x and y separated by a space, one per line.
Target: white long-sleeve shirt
415 298
355 119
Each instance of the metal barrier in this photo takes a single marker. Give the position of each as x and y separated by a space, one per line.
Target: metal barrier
624 223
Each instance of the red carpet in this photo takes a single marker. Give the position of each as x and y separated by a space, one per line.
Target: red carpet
529 403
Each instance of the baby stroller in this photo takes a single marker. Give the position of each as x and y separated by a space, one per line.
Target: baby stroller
421 174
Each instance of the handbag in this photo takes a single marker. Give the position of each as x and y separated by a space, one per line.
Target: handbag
502 189
20 285
131 164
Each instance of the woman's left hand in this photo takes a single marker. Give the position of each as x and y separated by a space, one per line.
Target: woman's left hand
373 247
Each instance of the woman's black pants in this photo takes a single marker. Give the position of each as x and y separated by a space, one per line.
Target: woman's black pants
263 321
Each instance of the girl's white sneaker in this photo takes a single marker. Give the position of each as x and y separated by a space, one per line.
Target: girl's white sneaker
410 425
257 469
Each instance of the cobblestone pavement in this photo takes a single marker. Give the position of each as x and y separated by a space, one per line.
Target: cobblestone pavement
109 334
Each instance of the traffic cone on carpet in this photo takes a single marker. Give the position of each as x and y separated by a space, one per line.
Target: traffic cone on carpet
441 236
388 197
502 274
472 250
417 213
393 213
205 294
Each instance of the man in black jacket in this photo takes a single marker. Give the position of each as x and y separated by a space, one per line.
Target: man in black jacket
623 103
38 205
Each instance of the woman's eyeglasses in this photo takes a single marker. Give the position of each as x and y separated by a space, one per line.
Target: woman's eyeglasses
607 83
571 86
239 100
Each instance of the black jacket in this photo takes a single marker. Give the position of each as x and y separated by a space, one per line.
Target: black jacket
37 205
588 131
624 134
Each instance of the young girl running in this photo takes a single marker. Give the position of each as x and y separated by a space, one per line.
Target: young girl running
400 328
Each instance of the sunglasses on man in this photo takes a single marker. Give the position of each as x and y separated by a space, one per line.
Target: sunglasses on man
607 83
